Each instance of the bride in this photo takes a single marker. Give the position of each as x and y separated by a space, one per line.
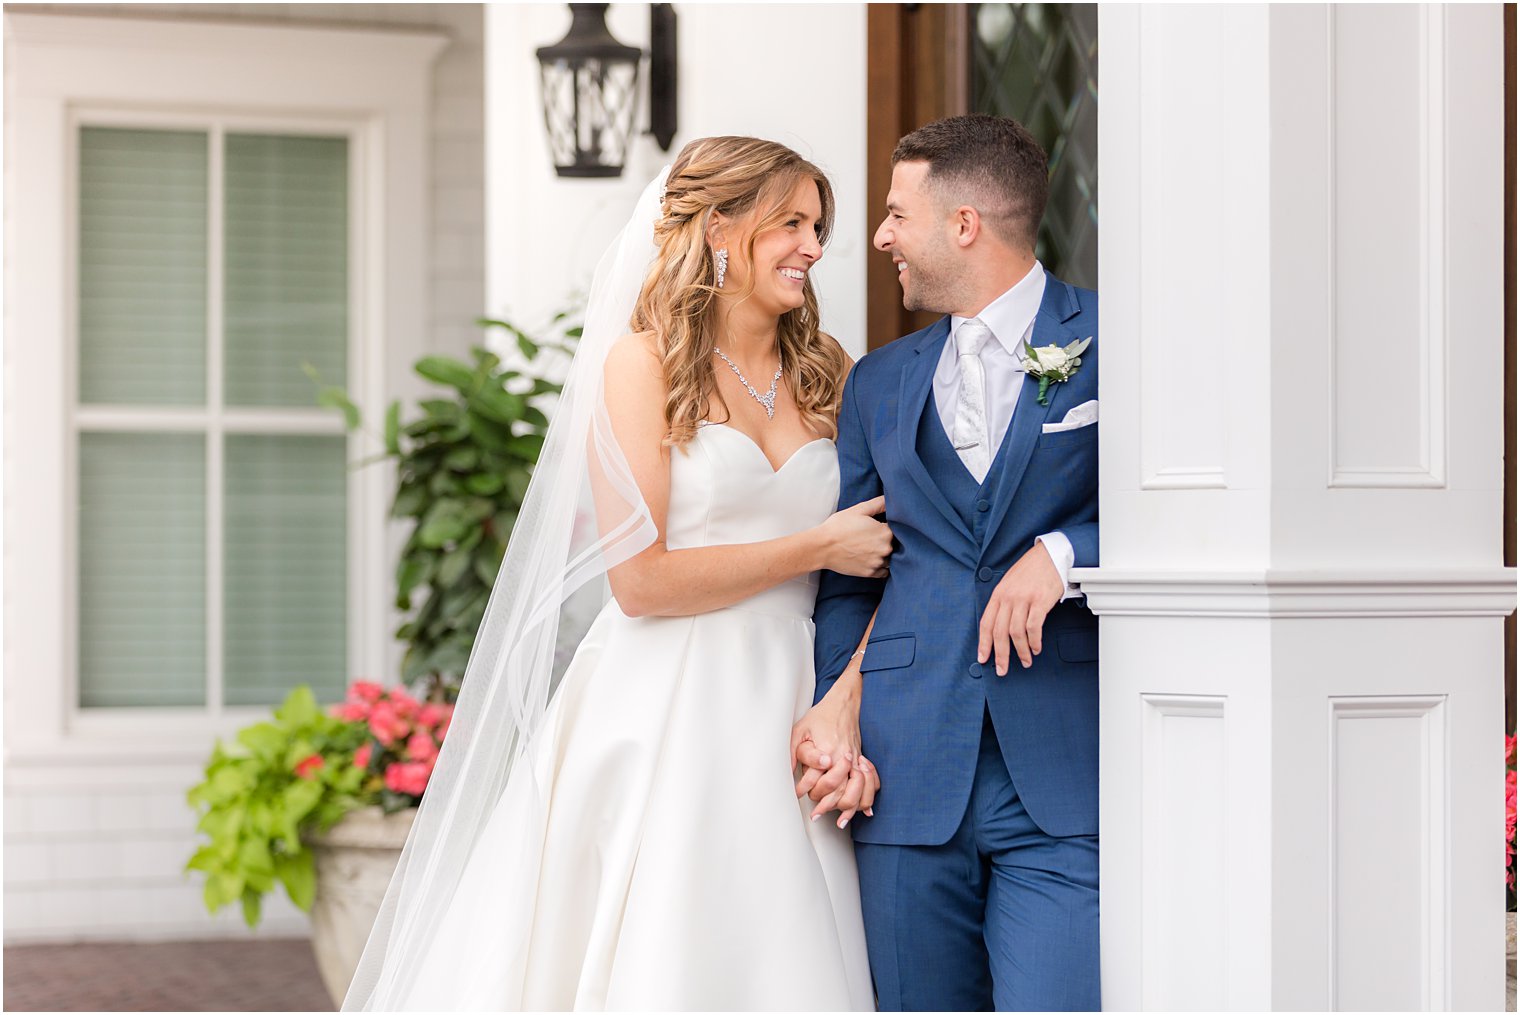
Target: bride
627 834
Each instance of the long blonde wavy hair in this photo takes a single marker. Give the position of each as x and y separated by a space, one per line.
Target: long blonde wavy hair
732 175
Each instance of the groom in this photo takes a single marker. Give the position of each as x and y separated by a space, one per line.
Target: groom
976 697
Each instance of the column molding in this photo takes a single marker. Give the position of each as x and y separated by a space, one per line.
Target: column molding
1280 593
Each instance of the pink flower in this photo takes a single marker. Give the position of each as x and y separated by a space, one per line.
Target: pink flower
431 715
362 755
351 711
365 690
1509 750
408 777
307 767
421 747
404 704
386 725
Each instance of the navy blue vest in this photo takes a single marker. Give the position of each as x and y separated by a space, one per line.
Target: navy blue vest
972 502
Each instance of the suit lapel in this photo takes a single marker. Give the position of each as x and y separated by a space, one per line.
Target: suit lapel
914 397
1057 307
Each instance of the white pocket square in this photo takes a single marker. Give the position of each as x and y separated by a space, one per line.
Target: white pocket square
1082 415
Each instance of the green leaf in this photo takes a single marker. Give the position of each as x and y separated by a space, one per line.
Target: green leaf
445 370
486 568
227 783
443 484
485 359
299 708
414 663
263 739
414 569
393 429
528 446
453 565
411 501
300 797
491 435
502 525
222 887
498 404
462 459
337 398
203 859
299 876
444 523
483 484
517 484
252 904
527 345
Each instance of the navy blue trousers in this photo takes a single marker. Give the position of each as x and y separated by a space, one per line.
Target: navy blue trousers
1002 916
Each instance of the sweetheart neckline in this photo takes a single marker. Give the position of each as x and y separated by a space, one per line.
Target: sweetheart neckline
775 471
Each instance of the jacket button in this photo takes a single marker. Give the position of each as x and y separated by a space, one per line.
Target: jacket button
983 505
975 670
985 574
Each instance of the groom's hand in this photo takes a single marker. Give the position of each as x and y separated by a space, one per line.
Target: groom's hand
1016 613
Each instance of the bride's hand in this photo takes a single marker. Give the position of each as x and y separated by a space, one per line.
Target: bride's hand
826 743
855 543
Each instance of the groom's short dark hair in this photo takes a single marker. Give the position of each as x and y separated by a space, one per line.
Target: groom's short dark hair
989 162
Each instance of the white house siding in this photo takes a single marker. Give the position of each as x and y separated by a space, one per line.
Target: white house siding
457 275
795 73
94 840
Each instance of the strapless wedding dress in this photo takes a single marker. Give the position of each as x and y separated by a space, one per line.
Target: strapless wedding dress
678 870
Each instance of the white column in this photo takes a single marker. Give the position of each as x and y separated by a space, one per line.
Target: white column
1302 592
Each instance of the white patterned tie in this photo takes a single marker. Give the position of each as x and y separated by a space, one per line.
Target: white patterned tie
969 435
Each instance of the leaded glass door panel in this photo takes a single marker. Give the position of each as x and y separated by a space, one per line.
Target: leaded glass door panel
1038 63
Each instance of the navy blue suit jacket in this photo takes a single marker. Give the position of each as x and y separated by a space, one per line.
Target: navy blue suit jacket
924 694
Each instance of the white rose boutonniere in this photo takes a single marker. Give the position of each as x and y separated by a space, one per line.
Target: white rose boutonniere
1052 364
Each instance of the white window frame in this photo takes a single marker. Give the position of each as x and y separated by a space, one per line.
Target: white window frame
372 87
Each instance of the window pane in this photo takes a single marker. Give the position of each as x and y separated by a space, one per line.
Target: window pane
287 267
286 572
142 569
142 266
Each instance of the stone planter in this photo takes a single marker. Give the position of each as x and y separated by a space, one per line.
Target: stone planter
355 860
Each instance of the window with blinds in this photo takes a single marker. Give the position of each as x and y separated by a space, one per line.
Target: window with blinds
213 506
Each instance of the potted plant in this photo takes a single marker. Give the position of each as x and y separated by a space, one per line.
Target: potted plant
321 801
463 466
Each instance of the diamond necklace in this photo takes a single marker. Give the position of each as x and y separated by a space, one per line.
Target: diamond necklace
768 400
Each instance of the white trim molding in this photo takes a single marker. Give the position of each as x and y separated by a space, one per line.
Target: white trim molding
1272 593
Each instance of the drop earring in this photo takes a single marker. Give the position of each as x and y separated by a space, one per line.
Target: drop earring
720 258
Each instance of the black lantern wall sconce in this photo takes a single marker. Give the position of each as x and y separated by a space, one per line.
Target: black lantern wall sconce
591 91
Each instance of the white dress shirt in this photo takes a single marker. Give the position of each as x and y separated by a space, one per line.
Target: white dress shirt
1010 317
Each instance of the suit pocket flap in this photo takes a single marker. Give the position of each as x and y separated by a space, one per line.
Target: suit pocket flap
888 653
1077 646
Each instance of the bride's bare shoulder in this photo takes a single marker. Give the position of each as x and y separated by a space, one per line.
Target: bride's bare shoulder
635 352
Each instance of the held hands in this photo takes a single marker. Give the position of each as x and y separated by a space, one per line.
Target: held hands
855 543
826 743
1017 610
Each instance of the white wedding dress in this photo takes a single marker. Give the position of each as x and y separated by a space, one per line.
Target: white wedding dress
679 871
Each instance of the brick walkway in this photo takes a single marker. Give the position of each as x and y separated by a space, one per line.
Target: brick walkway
261 975
275 975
